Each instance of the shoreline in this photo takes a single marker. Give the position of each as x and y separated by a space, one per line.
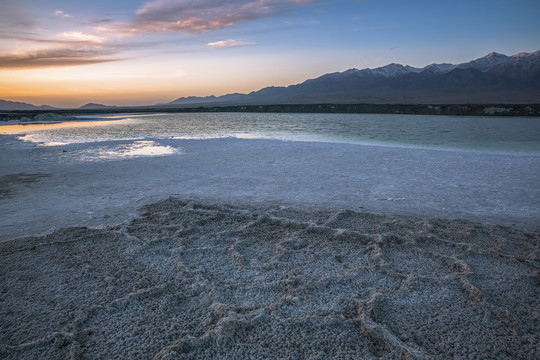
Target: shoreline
495 109
489 188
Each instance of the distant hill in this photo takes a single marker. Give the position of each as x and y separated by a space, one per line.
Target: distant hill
94 106
14 105
492 79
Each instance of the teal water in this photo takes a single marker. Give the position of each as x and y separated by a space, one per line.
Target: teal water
505 134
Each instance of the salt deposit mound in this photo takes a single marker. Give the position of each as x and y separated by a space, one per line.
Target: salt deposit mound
190 280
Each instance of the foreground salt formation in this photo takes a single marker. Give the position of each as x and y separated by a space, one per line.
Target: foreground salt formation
192 280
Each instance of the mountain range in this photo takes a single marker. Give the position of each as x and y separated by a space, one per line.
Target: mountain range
494 78
15 105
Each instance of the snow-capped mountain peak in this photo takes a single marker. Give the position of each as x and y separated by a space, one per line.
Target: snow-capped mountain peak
390 70
525 54
494 55
486 63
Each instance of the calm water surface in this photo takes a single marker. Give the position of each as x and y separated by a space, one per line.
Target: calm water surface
506 134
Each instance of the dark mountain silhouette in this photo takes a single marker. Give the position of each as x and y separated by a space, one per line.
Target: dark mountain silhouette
494 78
94 106
14 105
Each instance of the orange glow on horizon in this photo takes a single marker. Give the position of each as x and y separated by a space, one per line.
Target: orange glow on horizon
26 128
142 82
76 86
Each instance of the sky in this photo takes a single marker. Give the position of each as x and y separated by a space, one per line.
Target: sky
67 53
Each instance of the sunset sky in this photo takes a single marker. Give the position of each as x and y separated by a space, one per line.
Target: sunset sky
67 53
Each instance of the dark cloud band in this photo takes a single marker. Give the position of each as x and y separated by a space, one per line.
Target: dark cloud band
51 58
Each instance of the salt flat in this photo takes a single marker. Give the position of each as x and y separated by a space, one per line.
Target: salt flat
44 188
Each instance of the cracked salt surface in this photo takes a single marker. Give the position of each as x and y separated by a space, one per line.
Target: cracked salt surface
192 280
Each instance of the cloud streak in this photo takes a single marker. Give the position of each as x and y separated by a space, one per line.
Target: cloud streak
80 36
71 48
60 13
197 16
230 43
53 58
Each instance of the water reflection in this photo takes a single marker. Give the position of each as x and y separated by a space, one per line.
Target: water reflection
32 127
71 132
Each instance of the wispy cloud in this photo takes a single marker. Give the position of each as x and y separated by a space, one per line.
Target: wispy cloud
196 16
71 48
67 49
230 43
80 36
29 39
53 58
98 21
60 13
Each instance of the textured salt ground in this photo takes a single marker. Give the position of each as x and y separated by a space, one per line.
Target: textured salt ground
193 280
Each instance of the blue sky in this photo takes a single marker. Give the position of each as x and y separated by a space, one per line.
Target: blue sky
67 53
